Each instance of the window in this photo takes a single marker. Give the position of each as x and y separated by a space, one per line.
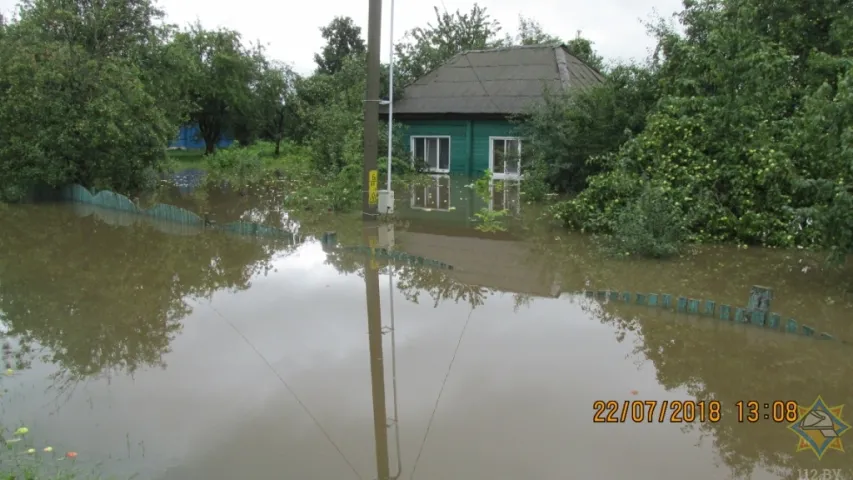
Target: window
433 151
432 197
505 157
505 195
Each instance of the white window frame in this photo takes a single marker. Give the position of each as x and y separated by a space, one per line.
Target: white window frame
435 188
414 138
504 176
503 192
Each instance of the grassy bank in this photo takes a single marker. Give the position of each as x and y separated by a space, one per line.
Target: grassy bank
180 160
294 172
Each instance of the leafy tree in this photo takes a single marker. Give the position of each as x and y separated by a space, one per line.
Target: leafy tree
132 31
732 138
273 91
69 118
583 49
220 76
343 39
106 29
426 48
530 32
567 132
78 101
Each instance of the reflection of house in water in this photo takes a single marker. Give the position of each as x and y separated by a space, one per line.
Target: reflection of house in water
432 196
505 195
441 227
448 199
500 262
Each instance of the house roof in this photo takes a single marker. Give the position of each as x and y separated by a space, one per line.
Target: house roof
504 81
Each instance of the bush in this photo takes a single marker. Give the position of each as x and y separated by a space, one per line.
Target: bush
241 163
651 226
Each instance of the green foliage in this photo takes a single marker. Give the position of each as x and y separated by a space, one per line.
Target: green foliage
482 186
745 127
343 40
331 110
652 226
491 220
70 118
220 71
424 49
582 49
242 165
78 101
530 32
567 132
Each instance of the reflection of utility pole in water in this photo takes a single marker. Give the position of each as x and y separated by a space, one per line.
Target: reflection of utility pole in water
377 366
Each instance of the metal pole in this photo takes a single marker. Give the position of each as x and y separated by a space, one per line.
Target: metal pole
390 92
370 199
377 365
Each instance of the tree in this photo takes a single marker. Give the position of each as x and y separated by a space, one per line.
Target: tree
425 49
530 32
76 103
583 49
69 118
273 93
220 75
106 28
567 132
733 139
343 39
133 31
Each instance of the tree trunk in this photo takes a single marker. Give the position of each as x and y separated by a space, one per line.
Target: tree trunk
210 132
277 145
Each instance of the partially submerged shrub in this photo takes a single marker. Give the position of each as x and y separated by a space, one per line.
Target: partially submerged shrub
240 164
491 220
652 226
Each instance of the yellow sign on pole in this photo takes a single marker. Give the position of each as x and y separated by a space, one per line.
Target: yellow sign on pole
373 185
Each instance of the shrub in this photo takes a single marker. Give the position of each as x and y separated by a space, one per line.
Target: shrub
652 226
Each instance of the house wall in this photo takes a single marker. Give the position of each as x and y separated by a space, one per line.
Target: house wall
469 140
483 129
189 138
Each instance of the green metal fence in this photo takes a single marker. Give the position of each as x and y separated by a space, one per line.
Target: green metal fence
756 312
188 222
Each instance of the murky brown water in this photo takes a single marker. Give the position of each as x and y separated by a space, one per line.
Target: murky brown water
174 354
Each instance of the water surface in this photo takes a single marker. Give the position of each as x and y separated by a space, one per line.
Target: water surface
174 353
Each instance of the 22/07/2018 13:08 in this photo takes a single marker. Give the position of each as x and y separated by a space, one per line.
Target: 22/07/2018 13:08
689 411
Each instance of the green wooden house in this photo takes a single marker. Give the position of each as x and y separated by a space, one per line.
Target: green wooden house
458 116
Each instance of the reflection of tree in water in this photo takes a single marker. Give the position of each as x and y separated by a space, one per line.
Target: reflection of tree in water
412 280
805 288
102 298
714 361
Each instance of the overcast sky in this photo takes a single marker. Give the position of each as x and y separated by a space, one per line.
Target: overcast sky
292 29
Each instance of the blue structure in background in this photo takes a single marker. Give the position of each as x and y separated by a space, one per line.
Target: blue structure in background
189 138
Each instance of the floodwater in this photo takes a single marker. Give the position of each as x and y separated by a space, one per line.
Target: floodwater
169 354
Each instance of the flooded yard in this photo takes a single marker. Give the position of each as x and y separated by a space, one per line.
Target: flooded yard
168 353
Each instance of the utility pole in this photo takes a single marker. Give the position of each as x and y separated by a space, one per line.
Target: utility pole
370 193
377 364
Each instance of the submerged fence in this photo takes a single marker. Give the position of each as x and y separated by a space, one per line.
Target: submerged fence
757 312
175 220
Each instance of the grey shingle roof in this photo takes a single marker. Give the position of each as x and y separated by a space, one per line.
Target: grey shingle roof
498 81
